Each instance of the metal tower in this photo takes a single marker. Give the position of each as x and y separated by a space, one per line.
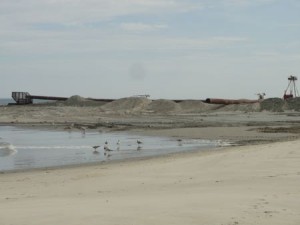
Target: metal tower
292 87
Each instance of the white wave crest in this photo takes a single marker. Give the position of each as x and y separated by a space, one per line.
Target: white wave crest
7 149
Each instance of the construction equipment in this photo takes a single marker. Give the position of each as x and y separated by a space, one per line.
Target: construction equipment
24 98
261 96
292 87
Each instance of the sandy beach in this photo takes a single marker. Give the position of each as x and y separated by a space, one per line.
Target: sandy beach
256 182
149 112
241 185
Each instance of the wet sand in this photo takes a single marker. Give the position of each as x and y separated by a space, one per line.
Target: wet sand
252 184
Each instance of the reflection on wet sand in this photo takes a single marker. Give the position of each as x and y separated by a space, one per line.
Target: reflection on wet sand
48 148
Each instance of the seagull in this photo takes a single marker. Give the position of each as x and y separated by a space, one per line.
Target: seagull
139 142
107 149
83 129
68 128
95 148
118 145
107 154
179 141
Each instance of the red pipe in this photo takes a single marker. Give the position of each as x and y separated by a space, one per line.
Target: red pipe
229 101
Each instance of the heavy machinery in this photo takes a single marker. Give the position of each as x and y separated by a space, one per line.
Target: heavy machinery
24 98
261 96
292 88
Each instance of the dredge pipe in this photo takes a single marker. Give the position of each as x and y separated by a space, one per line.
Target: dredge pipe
47 97
229 101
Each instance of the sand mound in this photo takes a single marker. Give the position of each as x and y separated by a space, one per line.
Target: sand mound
77 100
163 106
253 107
293 104
144 105
196 106
273 105
132 104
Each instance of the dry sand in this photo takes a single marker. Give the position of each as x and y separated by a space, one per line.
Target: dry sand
253 184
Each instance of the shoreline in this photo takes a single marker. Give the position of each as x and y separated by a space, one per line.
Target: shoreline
256 183
235 136
183 150
192 152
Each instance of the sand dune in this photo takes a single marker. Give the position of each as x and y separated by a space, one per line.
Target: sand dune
143 104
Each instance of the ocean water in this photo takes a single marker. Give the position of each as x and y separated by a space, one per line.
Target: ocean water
23 148
5 101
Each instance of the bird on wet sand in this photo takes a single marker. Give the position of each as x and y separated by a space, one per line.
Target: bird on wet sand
107 151
118 145
83 129
95 149
139 145
107 154
106 148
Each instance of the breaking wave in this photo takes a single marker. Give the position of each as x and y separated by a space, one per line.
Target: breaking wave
7 149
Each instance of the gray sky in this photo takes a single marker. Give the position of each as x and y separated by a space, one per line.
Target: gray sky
166 48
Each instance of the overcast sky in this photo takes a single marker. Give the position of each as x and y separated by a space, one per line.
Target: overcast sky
165 48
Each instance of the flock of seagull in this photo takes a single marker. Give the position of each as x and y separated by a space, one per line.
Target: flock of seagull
107 149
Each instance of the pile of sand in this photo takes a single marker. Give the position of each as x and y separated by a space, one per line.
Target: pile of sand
273 105
145 105
293 104
251 107
77 100
163 106
127 105
196 106
270 104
